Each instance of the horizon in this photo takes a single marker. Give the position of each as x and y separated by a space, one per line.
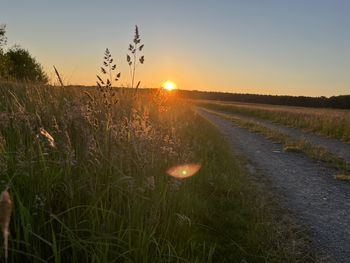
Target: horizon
287 49
212 91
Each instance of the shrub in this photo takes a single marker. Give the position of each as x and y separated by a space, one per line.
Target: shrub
20 65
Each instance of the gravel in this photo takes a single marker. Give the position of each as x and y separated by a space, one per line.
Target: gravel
305 187
334 146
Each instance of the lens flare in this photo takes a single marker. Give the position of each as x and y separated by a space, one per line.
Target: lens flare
184 171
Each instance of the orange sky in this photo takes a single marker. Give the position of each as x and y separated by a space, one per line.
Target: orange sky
275 47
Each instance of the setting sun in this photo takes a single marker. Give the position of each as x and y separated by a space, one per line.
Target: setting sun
169 85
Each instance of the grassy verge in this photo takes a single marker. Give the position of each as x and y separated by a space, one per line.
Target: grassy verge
293 145
332 123
239 219
87 175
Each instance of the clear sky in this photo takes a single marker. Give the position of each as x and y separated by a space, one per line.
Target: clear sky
293 47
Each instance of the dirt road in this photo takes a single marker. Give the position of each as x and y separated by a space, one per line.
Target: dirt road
334 146
302 185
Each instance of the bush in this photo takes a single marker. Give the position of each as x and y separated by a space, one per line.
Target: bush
2 36
2 43
20 65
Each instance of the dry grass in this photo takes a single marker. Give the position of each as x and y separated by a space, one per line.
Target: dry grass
292 148
5 217
89 183
88 168
342 177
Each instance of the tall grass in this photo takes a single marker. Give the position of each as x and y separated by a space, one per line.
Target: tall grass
332 123
97 191
87 172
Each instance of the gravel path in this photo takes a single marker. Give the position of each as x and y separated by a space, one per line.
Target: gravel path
334 146
309 190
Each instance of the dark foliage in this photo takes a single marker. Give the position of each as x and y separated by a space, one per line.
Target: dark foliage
3 38
2 43
20 65
339 102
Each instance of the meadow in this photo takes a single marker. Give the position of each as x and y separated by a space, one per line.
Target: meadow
87 174
329 122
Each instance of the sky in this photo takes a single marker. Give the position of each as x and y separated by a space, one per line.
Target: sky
279 47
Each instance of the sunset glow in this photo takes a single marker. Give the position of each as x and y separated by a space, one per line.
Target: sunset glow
169 85
169 130
312 58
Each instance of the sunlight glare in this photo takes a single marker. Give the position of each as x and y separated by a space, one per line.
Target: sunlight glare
169 85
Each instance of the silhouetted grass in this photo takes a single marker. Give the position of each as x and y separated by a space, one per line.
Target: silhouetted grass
88 182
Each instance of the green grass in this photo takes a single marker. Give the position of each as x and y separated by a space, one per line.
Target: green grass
332 123
102 193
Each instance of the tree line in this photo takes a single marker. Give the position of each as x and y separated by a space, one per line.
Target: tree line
339 102
16 63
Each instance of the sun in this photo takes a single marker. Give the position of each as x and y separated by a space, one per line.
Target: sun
169 85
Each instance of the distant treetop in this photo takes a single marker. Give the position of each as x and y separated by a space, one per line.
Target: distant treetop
2 35
18 64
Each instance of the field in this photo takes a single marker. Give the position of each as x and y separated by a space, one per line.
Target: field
328 122
304 153
175 132
87 173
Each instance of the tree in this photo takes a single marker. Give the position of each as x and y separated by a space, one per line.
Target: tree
17 63
2 55
2 64
2 36
20 65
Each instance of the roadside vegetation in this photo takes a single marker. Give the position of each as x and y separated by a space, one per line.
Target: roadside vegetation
328 122
86 174
290 144
88 181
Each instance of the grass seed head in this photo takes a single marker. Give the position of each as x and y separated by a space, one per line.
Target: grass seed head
5 217
48 136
